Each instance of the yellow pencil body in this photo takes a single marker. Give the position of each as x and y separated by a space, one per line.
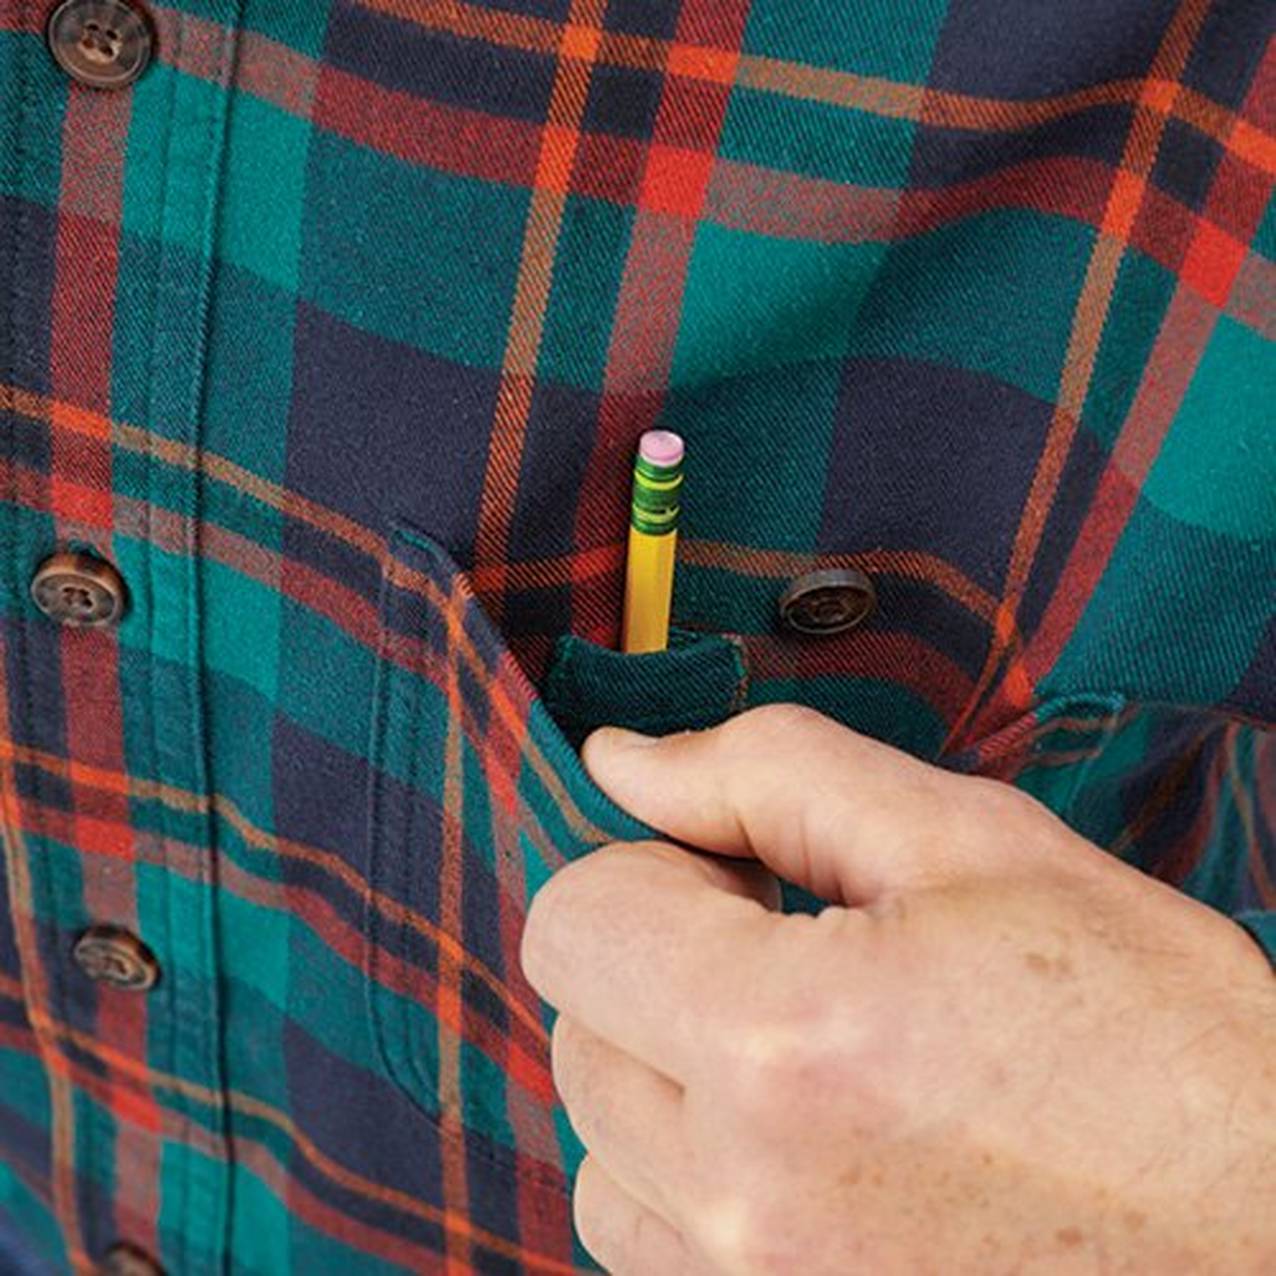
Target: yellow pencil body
648 591
653 542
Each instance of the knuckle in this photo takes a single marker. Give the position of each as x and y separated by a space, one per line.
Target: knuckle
989 797
790 1055
774 721
745 1234
809 1061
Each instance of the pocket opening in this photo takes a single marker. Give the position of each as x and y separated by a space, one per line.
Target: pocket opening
698 681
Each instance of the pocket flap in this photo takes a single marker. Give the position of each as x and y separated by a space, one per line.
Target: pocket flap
697 682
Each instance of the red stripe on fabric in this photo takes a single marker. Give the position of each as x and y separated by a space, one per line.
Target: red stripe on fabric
278 74
522 1059
1258 110
420 131
673 188
123 1103
523 1045
992 702
448 1003
534 1125
1250 138
320 594
82 320
1169 369
25 18
94 137
766 201
266 1162
867 654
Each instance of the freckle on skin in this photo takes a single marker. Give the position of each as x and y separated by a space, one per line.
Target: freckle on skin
1069 1237
1050 968
1134 1219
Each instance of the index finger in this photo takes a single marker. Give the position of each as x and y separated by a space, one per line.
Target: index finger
650 947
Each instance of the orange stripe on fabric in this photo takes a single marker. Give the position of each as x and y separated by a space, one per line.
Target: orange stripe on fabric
1159 91
37 998
780 565
579 42
129 1069
451 893
328 862
233 549
1186 328
1142 143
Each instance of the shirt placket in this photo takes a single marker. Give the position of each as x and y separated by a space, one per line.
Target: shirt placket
109 837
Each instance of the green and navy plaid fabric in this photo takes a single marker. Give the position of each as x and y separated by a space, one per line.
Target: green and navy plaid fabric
335 333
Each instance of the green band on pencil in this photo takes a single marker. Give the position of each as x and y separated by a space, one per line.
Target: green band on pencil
657 483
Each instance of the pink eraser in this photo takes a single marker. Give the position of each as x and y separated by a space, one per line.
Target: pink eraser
661 447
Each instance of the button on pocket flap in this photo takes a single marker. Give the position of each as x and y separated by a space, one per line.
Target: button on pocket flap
697 682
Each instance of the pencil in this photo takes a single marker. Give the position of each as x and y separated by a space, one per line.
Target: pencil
653 539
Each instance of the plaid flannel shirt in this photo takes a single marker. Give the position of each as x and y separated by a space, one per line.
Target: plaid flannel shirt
334 334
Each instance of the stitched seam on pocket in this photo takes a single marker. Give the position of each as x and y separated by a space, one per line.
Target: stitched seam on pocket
388 828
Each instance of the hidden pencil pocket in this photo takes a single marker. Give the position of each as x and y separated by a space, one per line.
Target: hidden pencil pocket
699 680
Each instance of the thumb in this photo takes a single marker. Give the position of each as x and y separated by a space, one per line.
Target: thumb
842 815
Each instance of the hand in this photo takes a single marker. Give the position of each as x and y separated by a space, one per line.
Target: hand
999 1050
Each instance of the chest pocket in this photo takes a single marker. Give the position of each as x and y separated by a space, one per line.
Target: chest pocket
476 797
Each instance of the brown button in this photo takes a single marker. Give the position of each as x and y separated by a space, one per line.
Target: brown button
78 589
105 44
128 1260
828 601
115 956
